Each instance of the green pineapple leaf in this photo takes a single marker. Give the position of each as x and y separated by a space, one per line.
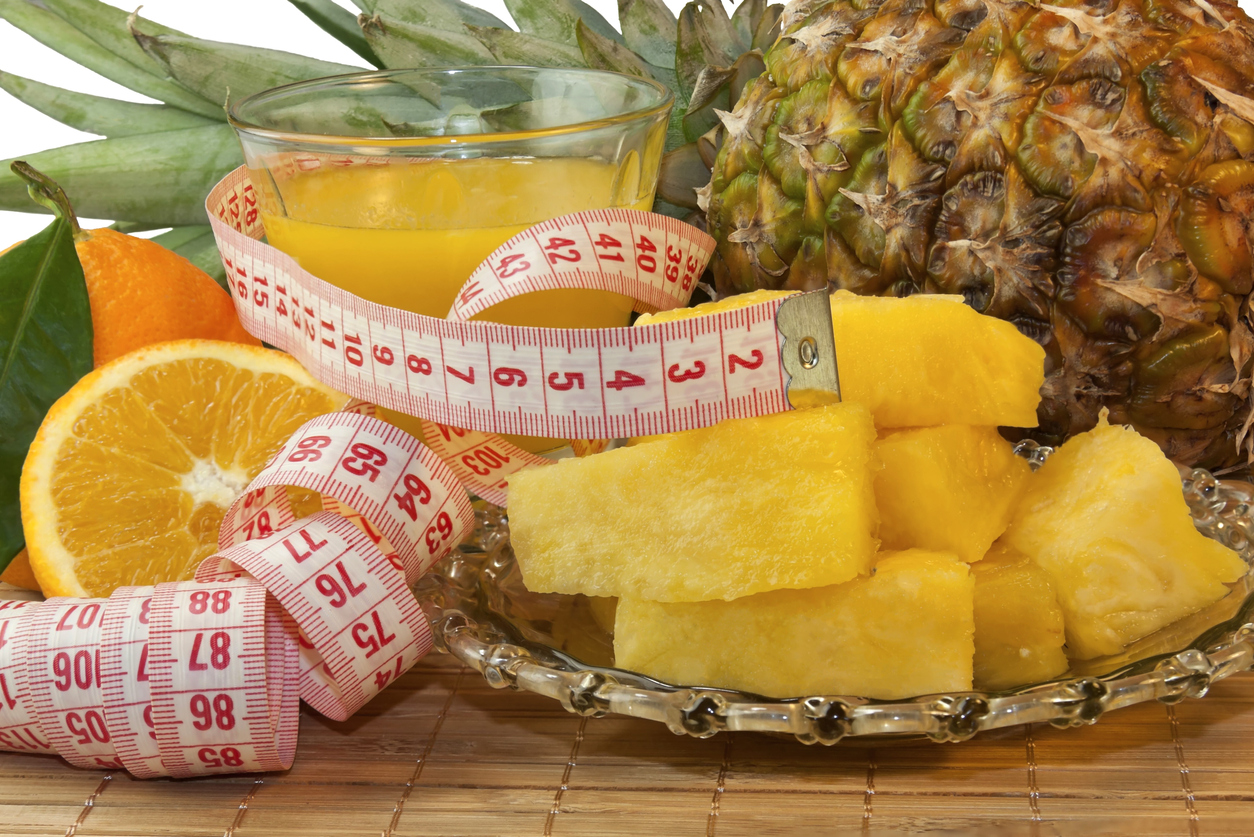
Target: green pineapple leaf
510 47
340 24
683 172
158 179
45 343
745 21
767 30
445 15
601 53
649 30
107 26
401 44
97 114
218 71
555 20
707 25
54 32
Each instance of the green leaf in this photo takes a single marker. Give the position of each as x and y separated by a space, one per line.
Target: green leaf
719 88
198 246
55 33
768 28
682 173
601 53
45 347
366 6
129 227
649 30
510 47
555 20
689 54
217 71
745 20
340 24
181 236
96 114
474 15
705 23
107 26
159 179
401 44
449 15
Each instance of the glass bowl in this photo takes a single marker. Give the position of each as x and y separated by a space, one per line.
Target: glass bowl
550 644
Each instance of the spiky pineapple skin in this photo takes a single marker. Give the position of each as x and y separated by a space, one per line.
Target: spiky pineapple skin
1085 171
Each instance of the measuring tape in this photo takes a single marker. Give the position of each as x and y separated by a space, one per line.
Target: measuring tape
200 677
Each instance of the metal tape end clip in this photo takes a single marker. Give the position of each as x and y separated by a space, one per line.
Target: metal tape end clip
809 350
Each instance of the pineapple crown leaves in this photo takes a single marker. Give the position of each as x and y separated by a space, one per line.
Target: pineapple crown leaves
705 56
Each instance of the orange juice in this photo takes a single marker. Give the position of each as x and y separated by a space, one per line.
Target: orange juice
410 233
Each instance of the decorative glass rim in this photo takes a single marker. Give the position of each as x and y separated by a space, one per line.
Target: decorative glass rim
463 602
236 111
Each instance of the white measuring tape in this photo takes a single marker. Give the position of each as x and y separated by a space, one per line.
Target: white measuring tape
201 677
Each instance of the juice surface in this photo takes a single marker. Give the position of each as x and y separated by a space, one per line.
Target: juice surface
409 234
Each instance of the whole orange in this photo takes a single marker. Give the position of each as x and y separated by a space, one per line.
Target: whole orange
141 293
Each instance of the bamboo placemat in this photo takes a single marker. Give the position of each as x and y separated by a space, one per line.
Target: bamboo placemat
442 753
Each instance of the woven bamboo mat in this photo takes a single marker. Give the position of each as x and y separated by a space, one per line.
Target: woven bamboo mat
441 753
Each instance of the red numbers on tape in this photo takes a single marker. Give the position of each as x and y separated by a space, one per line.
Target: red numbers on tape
205 676
599 384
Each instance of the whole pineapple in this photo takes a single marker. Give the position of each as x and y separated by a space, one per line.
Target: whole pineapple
1084 170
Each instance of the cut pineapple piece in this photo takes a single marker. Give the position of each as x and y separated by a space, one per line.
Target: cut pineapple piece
745 506
921 361
1018 624
947 488
1105 517
905 631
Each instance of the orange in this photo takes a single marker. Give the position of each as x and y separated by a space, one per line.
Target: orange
141 293
19 573
132 470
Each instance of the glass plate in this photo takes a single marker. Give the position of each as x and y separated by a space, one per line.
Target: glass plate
550 644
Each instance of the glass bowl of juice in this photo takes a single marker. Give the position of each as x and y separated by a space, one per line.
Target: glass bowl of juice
395 185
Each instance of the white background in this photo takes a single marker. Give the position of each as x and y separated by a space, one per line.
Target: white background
270 23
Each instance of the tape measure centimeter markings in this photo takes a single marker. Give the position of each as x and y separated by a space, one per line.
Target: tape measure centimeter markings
213 682
362 626
20 729
568 383
63 670
379 471
651 257
124 680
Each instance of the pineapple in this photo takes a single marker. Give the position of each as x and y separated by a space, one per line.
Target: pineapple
745 506
1083 170
905 631
1018 624
1106 520
947 488
897 356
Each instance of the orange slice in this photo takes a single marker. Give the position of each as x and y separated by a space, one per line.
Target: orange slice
133 469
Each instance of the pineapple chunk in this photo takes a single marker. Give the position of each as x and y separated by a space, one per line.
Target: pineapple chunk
1018 624
905 631
947 488
745 506
921 361
1106 519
